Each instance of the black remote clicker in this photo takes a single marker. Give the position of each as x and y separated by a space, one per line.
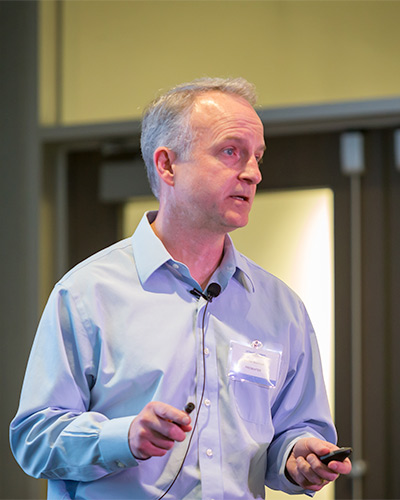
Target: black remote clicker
338 455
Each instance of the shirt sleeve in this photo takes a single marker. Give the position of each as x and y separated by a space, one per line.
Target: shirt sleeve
302 409
55 435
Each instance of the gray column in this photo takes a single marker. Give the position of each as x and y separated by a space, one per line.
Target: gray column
19 221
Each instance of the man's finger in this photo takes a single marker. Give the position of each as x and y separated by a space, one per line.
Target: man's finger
168 412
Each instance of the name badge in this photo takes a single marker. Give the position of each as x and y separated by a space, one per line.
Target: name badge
254 363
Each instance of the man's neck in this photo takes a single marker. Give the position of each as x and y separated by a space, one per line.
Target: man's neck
199 251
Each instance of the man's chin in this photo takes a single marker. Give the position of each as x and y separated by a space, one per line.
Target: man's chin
237 223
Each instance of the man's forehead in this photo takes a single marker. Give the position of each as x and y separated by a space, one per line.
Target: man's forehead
213 107
218 101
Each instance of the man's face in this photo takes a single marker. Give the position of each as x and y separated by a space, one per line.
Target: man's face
215 187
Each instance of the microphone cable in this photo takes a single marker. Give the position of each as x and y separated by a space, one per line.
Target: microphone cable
212 291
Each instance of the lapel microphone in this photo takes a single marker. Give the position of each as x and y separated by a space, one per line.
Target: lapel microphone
213 290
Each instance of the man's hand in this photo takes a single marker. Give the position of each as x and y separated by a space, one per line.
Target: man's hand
304 467
154 431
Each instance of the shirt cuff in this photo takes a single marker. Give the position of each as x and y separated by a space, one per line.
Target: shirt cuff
114 444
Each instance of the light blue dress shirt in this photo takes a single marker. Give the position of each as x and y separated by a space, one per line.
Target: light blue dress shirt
121 329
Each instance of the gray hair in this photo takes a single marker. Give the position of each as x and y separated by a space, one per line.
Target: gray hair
166 120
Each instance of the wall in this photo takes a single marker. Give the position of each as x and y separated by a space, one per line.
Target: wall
102 61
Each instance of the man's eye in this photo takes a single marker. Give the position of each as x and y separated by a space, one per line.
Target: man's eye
229 151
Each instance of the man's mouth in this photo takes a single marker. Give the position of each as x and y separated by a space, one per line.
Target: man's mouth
241 198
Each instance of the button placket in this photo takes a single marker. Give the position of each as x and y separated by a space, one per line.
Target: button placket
208 421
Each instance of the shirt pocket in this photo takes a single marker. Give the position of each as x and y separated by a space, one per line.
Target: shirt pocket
253 401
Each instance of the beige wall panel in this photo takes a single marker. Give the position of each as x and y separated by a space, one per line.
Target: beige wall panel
48 86
118 54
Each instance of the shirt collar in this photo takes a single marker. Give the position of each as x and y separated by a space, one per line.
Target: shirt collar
235 265
150 254
148 250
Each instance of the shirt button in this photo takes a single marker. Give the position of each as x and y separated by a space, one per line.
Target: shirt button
175 265
209 452
207 402
120 464
206 351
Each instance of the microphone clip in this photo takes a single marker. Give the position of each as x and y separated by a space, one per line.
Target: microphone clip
198 294
213 290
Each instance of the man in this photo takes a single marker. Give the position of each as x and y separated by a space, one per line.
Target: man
134 333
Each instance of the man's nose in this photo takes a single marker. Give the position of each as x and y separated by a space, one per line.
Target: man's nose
251 173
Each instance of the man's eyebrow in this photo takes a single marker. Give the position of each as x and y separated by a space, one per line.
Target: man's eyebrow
236 138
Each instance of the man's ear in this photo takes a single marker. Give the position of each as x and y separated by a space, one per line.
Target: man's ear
164 159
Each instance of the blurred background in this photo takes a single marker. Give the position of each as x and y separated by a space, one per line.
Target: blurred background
74 79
